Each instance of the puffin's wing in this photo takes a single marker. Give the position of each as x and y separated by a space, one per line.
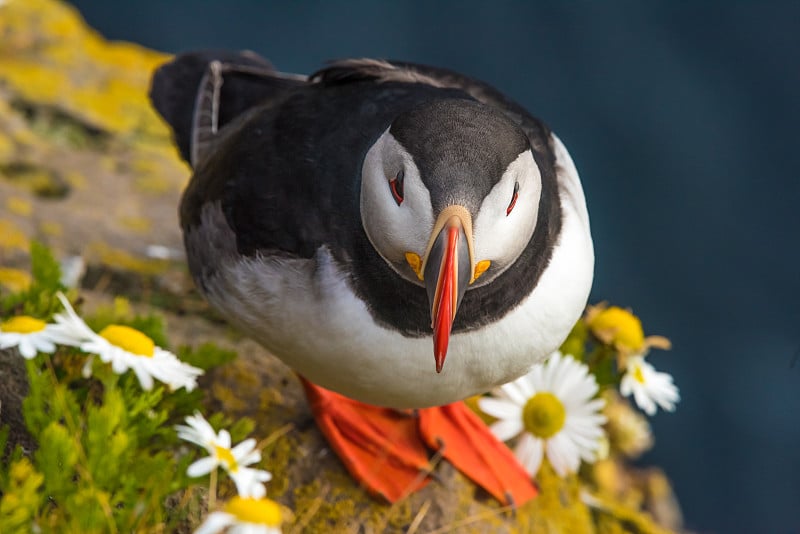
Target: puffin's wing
197 93
382 71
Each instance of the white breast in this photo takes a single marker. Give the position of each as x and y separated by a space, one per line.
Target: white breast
307 315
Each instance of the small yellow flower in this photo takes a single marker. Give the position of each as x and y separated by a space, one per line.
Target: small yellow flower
28 334
128 339
650 388
553 411
621 329
249 481
245 515
125 348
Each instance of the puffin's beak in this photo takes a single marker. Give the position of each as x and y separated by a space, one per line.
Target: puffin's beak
447 273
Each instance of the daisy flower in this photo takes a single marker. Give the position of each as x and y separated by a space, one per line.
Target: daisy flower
554 410
28 334
244 515
649 387
125 348
249 482
622 330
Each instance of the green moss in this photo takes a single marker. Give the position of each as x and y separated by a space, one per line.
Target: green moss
280 454
558 507
332 503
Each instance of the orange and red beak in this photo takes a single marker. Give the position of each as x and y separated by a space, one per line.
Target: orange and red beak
447 273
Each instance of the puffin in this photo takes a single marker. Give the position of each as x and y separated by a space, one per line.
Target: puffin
402 236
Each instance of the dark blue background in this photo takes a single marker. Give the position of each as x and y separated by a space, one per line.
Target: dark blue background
684 122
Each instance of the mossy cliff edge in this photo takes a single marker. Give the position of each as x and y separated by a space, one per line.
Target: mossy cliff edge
87 167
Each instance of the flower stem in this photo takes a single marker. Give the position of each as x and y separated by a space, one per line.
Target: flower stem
212 490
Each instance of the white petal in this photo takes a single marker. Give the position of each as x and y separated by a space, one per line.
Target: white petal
224 439
250 458
145 380
500 408
562 370
626 385
248 482
506 429
529 453
535 378
244 448
44 345
518 391
26 348
563 454
86 370
216 522
203 466
644 401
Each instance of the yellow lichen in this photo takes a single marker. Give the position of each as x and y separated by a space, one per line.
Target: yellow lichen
138 225
75 179
124 260
44 59
332 503
11 237
37 179
51 228
14 279
557 508
6 146
19 206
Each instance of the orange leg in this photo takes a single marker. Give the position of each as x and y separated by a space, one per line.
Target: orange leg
387 450
379 446
466 442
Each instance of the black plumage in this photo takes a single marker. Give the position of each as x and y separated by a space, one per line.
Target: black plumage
286 167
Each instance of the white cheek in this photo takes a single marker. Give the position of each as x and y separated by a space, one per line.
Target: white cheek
501 237
394 230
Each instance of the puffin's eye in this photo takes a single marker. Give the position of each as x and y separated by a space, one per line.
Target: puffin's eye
396 186
513 199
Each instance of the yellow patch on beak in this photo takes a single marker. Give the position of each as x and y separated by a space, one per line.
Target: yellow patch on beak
415 262
480 268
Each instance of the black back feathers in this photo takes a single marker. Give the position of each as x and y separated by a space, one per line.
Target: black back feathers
181 92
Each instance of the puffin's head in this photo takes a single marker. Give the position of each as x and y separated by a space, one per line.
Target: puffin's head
449 199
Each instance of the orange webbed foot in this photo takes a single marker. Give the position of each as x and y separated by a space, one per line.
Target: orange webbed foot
466 442
380 447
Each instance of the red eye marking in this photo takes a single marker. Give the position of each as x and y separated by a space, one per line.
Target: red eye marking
513 199
396 186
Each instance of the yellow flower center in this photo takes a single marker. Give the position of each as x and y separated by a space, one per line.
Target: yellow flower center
129 339
258 511
638 374
22 324
225 455
625 326
544 415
